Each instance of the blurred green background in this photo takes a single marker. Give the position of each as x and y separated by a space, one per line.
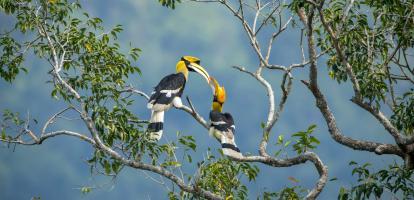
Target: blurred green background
57 168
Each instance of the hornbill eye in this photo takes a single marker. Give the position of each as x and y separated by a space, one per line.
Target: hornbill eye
188 62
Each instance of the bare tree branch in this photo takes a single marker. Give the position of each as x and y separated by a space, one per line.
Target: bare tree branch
267 18
274 35
53 118
385 122
308 156
378 148
194 113
135 91
45 136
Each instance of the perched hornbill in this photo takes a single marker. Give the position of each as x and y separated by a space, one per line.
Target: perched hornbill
222 124
168 93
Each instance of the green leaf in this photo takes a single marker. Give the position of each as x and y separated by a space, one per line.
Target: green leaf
288 143
115 167
189 159
24 70
299 134
53 94
263 125
311 128
107 167
86 190
3 134
352 163
277 153
171 163
333 179
280 139
314 140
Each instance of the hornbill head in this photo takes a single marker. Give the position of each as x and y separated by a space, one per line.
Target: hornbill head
192 64
219 94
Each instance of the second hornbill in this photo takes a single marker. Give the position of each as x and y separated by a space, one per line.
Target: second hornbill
168 93
222 124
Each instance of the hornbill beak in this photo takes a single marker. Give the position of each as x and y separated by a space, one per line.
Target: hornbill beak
214 85
218 91
199 69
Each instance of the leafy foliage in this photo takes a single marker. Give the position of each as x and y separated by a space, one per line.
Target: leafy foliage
288 193
223 176
305 140
86 56
11 122
283 144
169 3
395 180
367 37
302 142
11 59
403 117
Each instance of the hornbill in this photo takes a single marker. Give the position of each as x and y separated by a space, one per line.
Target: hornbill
168 93
222 124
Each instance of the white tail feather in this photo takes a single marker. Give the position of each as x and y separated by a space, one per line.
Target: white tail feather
156 116
231 153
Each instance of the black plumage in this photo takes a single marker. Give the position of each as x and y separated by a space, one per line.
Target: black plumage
230 146
155 126
222 121
174 83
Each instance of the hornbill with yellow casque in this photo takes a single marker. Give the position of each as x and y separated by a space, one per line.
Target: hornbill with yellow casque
168 93
222 124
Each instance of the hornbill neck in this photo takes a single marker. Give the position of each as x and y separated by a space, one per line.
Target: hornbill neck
182 68
217 106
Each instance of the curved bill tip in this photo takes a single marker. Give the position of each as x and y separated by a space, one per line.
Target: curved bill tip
213 84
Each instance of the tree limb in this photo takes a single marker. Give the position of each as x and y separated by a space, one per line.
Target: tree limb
45 136
321 103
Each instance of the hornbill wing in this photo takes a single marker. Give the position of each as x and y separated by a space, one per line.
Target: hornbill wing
223 128
229 120
167 89
222 122
216 119
228 136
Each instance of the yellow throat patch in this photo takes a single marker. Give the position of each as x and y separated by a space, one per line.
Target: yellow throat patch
181 68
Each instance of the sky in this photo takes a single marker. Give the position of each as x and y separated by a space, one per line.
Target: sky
57 168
